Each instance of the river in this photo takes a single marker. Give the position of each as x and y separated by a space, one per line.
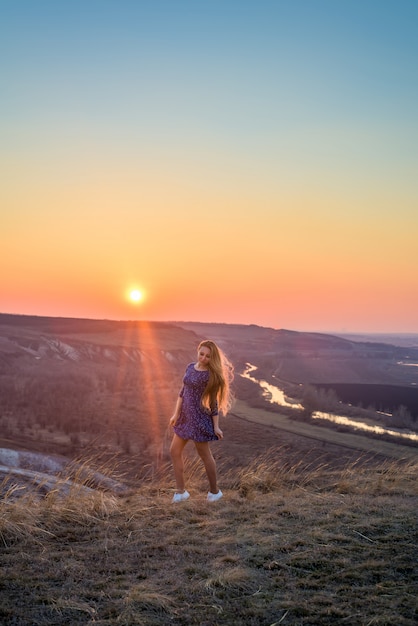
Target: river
275 395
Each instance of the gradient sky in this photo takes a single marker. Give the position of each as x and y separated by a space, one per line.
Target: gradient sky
238 161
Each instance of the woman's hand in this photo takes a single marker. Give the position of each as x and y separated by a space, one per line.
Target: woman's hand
218 432
177 412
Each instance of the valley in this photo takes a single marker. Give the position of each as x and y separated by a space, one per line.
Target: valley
105 390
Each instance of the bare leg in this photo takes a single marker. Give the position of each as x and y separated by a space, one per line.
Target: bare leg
205 454
176 451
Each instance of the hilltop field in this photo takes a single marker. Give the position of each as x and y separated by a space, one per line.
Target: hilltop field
288 544
317 526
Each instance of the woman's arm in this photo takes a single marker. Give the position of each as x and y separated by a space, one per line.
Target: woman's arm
215 420
177 410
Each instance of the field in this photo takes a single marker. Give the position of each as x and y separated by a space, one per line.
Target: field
288 544
327 436
317 526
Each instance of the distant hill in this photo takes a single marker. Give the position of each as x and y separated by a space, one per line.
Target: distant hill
87 340
405 340
68 386
301 357
296 357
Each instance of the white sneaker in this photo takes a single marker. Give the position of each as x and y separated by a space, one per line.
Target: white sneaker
212 497
180 497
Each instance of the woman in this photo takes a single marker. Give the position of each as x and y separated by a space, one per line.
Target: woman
205 393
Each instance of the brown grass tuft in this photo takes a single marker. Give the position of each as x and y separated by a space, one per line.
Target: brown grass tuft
237 577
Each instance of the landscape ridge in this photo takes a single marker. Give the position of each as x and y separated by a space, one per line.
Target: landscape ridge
316 526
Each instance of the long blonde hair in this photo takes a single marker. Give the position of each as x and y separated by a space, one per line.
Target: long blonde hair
221 374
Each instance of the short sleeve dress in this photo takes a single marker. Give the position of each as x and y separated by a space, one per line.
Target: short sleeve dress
194 422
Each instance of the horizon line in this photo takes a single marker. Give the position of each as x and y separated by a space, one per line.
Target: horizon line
212 323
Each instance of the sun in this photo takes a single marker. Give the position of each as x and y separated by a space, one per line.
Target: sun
135 295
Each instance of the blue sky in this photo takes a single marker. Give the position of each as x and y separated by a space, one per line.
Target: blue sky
279 79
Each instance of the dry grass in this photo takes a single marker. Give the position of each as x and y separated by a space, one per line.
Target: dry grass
287 545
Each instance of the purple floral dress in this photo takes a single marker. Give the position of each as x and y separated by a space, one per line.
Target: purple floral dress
194 421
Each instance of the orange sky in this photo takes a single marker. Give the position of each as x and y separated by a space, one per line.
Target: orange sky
210 181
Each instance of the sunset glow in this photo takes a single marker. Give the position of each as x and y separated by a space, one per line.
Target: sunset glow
267 179
136 295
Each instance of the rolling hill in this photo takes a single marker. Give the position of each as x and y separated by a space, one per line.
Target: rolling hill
316 527
67 385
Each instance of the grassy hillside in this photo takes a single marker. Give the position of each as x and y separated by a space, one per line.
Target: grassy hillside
288 544
83 387
317 526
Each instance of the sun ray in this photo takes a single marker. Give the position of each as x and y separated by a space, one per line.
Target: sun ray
153 378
